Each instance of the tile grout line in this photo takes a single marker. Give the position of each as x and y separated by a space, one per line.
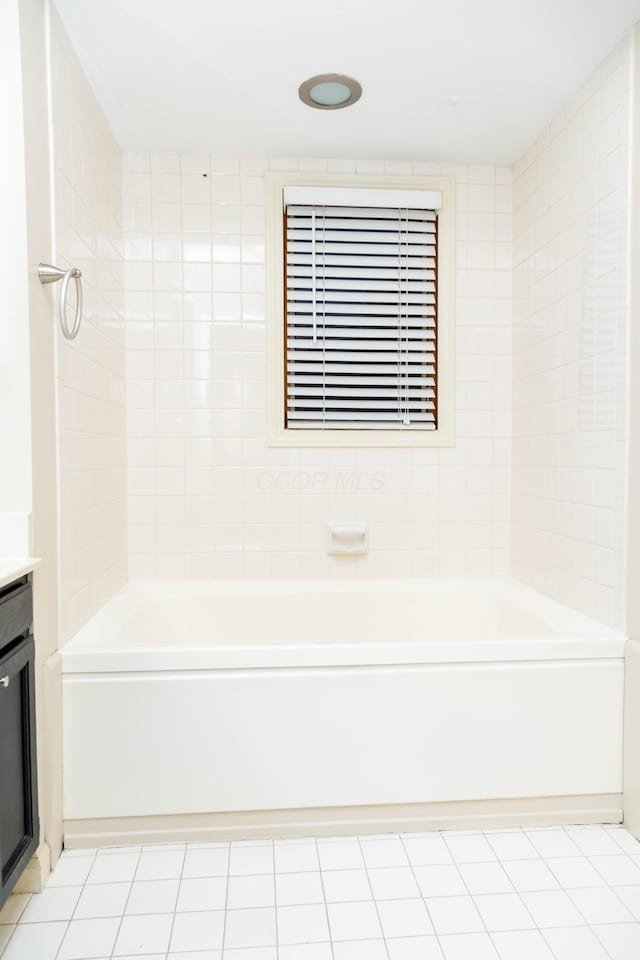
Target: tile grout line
412 867
375 902
124 909
226 900
175 902
324 898
275 897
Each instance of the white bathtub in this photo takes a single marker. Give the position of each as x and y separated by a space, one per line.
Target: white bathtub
245 707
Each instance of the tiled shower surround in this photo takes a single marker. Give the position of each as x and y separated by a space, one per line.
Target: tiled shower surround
207 496
540 328
571 212
90 369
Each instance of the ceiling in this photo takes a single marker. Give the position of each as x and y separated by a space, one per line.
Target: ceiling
472 80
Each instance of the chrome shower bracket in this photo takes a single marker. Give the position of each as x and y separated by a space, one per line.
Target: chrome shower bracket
50 274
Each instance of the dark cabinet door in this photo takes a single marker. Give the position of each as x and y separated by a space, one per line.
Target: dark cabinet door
18 799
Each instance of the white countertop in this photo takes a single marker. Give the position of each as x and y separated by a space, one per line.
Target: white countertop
11 568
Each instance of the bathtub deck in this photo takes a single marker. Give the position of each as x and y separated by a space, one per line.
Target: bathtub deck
238 624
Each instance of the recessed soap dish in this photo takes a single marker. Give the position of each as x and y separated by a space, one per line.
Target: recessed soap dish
347 538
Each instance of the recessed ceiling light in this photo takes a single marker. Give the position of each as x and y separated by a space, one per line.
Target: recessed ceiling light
329 91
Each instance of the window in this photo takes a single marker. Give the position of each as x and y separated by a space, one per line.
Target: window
360 303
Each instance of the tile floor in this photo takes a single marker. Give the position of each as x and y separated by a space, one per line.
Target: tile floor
569 893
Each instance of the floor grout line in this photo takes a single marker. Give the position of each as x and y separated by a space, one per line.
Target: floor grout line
326 905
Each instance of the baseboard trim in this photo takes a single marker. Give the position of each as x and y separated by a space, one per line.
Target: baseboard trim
35 874
337 821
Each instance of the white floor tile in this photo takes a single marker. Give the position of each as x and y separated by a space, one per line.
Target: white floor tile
54 903
414 948
6 931
360 950
38 941
404 918
301 951
485 878
81 852
136 848
617 871
593 841
251 928
303 924
250 861
454 915
600 905
342 886
102 900
251 892
86 939
110 868
71 872
197 931
163 865
623 839
552 908
149 956
201 893
630 896
503 911
440 881
144 934
621 940
522 945
468 946
575 872
206 862
393 883
553 843
340 856
153 896
354 921
296 857
575 943
560 875
470 849
512 846
427 851
530 875
14 908
384 853
216 955
298 888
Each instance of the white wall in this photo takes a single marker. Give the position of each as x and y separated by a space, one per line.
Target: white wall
571 206
15 476
207 497
91 411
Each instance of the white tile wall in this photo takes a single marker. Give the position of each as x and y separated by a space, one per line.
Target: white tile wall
90 370
207 497
570 315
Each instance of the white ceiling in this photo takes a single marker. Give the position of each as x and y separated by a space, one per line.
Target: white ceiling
223 75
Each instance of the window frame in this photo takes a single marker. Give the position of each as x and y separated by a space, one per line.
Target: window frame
277 433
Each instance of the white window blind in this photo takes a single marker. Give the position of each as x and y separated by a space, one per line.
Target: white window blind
361 316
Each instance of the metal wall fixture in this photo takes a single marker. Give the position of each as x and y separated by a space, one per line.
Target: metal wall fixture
50 274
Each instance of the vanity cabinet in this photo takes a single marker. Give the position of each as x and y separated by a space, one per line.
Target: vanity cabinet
18 788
